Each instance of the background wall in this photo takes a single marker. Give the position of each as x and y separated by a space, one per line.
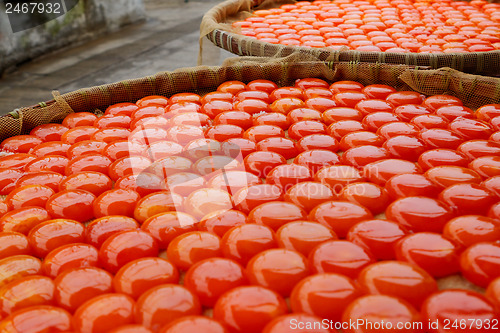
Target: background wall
88 19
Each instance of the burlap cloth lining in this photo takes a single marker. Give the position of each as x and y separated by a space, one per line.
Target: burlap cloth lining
473 90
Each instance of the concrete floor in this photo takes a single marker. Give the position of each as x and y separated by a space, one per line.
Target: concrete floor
168 39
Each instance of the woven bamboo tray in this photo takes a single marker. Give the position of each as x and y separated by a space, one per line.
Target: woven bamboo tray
216 27
474 91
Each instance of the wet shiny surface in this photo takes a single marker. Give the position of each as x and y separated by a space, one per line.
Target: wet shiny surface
17 266
377 236
340 257
450 305
26 292
445 176
274 214
369 195
316 159
102 228
88 162
207 200
37 319
45 178
13 243
304 128
340 215
163 304
262 162
411 185
432 252
104 312
487 166
76 286
283 146
126 246
23 220
51 234
360 138
398 279
375 309
362 155
191 247
379 172
479 263
249 309
71 204
156 203
116 202
20 143
211 278
468 198
69 256
91 181
29 196
261 132
324 295
164 227
277 269
241 243
440 138
287 175
140 275
194 324
420 213
438 157
341 128
479 148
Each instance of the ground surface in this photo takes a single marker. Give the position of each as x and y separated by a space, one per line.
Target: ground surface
166 40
